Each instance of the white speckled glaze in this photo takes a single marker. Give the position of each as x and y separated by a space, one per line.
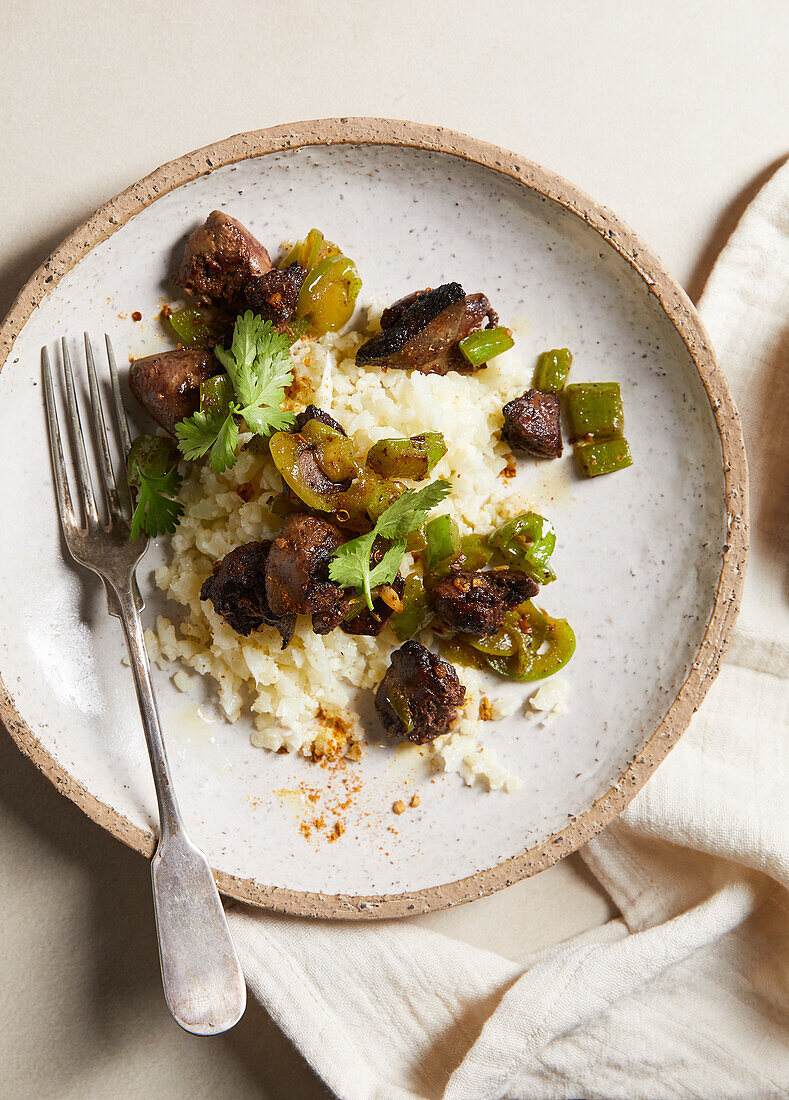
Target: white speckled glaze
639 555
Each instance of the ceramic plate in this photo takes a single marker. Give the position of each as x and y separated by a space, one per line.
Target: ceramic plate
650 560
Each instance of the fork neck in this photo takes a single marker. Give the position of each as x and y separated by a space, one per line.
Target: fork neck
169 815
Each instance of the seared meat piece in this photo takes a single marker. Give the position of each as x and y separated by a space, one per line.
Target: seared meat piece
219 260
237 589
392 314
419 696
532 425
475 602
312 412
421 331
168 384
297 573
372 622
273 296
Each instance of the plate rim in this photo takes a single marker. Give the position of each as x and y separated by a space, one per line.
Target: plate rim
679 310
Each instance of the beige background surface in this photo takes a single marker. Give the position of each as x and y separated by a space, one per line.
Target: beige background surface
671 114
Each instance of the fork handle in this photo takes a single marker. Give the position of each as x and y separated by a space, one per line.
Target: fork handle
203 983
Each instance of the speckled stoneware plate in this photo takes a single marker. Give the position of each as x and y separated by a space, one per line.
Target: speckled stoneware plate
650 560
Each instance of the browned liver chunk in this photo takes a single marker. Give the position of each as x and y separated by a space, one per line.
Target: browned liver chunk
219 260
474 602
168 384
421 331
532 425
419 696
297 573
273 296
237 589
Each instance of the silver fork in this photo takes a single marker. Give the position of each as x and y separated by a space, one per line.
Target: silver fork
203 984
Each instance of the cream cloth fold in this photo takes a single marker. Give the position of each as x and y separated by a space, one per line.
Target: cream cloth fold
687 995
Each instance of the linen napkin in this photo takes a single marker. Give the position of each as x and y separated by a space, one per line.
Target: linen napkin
688 993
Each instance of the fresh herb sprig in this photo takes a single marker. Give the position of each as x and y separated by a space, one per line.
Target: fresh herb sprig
157 511
350 564
259 368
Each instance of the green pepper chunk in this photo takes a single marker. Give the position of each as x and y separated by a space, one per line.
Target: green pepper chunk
475 553
416 610
334 451
399 704
527 542
604 456
310 252
595 411
216 394
480 347
153 454
552 369
294 458
194 323
413 459
443 542
328 294
295 329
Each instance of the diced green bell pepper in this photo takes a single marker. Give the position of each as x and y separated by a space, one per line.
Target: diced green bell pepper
194 323
413 459
443 542
604 456
480 347
595 411
153 454
416 610
216 394
552 369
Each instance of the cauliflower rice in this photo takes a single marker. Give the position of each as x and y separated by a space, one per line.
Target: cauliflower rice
288 691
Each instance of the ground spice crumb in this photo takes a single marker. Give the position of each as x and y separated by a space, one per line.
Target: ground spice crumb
337 831
416 801
511 469
136 316
485 710
399 807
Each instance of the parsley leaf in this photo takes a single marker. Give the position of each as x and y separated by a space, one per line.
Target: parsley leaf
157 512
258 366
205 432
350 564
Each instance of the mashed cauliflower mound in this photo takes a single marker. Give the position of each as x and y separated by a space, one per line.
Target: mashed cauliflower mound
285 689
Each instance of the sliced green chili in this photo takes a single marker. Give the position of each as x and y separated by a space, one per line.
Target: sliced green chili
527 542
552 369
480 347
518 651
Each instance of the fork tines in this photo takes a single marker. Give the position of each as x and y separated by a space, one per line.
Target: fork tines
115 489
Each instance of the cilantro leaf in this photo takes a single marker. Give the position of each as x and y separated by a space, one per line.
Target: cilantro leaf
386 569
157 511
409 510
204 432
350 564
258 366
